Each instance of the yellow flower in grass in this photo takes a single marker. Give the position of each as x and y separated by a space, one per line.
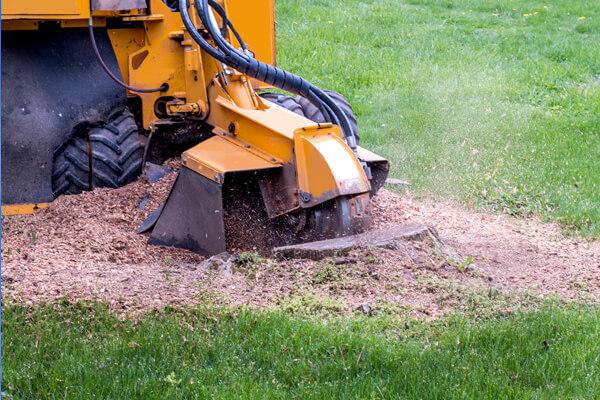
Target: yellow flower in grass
331 22
580 18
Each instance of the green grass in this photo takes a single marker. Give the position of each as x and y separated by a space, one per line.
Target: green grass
499 110
83 352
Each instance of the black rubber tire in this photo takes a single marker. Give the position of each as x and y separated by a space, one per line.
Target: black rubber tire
108 156
282 100
71 169
313 113
116 152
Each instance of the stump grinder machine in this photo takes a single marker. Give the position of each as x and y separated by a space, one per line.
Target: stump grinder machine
93 89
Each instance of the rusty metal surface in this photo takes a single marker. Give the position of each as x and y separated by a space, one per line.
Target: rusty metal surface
280 191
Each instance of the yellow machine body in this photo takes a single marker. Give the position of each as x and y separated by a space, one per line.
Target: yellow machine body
152 47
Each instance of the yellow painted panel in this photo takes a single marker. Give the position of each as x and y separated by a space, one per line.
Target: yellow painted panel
19 209
326 167
216 156
45 9
19 25
126 42
255 21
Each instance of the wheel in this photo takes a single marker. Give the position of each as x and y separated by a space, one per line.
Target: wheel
71 170
287 102
313 113
116 152
332 219
108 156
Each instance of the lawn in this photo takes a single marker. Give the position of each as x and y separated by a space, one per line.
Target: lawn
83 352
492 103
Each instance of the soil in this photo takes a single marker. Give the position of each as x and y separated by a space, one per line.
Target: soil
85 247
515 253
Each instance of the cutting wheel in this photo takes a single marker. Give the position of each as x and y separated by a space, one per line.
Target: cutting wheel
333 219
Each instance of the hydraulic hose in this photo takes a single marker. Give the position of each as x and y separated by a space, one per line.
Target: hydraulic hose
239 61
162 88
227 23
189 25
242 62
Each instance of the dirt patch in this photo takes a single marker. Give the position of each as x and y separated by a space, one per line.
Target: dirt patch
85 247
514 253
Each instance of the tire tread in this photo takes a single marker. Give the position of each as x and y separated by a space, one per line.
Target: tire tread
115 159
313 113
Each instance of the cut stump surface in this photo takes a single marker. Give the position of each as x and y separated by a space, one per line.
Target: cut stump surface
390 238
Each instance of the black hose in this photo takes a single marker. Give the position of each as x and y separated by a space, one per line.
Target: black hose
189 25
330 109
227 23
269 74
162 88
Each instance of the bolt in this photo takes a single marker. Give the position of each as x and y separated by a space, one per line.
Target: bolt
184 161
234 128
305 197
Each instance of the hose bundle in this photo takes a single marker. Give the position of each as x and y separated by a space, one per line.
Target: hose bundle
242 61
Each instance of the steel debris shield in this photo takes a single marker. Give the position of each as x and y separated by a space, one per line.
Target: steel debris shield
192 216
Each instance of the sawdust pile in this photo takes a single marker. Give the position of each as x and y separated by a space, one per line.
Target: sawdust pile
85 247
93 226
